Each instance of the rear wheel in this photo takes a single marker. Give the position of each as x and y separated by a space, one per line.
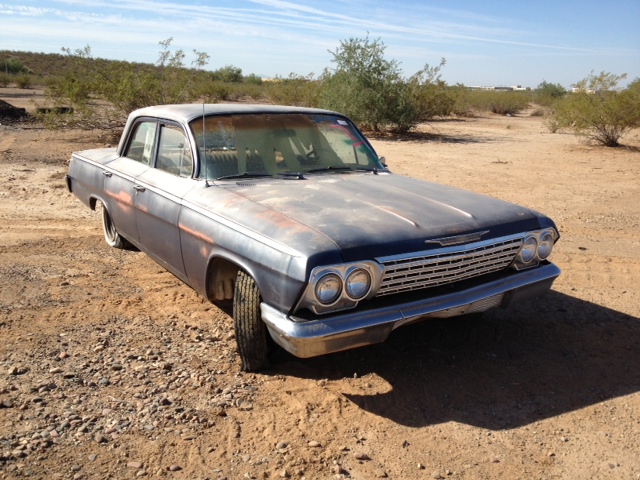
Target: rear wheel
251 332
111 235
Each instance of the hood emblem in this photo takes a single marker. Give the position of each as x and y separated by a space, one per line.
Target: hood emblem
458 239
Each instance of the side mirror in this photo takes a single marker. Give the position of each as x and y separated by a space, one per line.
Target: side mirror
383 161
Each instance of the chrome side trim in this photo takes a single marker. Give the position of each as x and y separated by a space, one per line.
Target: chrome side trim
359 328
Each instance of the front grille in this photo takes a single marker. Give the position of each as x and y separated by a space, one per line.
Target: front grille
446 265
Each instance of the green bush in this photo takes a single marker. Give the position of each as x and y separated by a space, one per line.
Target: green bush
546 94
509 103
13 66
367 87
101 91
294 90
24 81
227 74
462 103
252 79
4 80
468 102
214 92
429 94
598 110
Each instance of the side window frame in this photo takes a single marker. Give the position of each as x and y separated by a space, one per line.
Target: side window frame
150 150
162 163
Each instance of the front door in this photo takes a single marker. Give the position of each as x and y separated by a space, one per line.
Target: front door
158 198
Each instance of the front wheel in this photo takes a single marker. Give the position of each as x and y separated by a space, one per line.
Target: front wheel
251 332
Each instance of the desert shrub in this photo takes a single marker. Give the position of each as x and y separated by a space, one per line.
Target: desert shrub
23 81
546 94
249 90
14 66
219 91
116 88
509 103
294 90
598 110
462 104
539 112
213 92
429 94
227 74
253 79
468 102
367 87
4 80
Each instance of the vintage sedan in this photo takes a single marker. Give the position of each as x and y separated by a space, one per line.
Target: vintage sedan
289 215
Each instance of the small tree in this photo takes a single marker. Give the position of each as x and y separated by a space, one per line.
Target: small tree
598 110
367 87
228 74
548 93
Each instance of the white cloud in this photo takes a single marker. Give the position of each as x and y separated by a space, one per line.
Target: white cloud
22 10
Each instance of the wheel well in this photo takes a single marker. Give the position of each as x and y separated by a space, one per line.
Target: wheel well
93 203
221 279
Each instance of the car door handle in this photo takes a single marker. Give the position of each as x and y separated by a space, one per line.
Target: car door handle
139 188
106 174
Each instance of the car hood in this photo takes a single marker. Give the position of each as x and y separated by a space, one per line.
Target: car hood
369 215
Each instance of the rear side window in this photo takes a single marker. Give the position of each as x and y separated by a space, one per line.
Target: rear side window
140 148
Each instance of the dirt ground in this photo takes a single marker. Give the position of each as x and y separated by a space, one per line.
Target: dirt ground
112 368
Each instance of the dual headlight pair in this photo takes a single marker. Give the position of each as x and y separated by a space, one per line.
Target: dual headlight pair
536 247
338 287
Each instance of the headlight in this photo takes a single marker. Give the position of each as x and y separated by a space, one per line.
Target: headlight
332 288
529 249
328 289
358 283
545 245
536 246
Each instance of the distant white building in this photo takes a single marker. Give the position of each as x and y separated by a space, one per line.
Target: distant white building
502 88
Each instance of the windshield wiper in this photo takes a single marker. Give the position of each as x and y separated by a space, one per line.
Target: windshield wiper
342 168
329 168
245 175
297 175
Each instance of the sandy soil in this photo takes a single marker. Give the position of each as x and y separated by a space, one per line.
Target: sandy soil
112 368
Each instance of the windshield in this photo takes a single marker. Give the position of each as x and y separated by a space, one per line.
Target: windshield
279 144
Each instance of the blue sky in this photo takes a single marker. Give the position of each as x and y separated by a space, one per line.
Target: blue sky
487 42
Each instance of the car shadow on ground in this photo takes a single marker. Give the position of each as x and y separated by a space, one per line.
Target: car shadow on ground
509 369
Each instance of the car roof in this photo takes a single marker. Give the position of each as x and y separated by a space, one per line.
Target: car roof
189 111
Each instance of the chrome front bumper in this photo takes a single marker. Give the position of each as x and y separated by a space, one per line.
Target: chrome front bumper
346 330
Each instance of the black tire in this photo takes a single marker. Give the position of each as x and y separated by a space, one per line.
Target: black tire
251 332
111 235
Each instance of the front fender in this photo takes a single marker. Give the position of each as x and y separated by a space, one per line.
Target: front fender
207 238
